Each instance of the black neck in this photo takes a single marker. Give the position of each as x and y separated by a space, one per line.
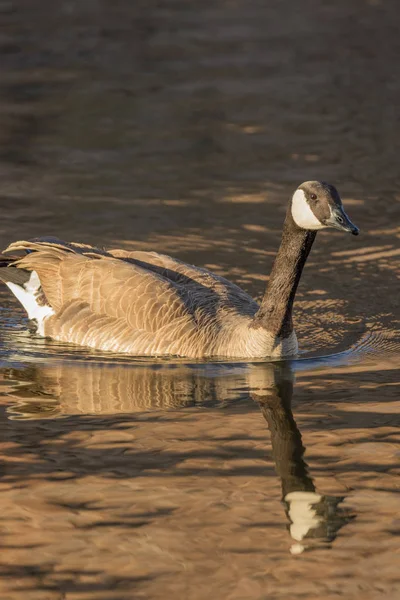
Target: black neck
275 313
275 401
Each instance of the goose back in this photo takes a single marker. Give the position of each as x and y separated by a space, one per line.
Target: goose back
141 303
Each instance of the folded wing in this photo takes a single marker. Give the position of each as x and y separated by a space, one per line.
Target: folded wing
103 301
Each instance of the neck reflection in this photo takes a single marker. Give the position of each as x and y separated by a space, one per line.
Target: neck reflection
314 519
41 392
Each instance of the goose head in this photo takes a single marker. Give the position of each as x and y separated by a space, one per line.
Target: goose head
317 205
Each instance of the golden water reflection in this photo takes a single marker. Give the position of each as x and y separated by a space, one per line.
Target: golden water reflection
47 392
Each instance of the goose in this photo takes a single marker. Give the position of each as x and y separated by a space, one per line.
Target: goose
149 304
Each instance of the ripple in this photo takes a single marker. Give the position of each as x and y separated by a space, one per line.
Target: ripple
19 345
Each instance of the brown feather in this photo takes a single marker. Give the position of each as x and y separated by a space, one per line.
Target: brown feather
141 303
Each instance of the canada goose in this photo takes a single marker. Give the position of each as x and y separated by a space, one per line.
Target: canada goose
145 303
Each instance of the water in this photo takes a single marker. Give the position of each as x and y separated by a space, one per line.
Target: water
183 128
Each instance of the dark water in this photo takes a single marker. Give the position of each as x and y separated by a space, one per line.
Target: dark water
184 127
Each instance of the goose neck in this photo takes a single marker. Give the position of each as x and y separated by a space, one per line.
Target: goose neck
275 313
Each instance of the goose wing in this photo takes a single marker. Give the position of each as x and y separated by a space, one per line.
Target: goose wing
106 302
191 277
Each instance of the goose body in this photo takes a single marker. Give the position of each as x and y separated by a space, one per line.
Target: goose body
149 304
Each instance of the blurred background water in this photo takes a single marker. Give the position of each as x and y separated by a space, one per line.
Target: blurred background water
184 127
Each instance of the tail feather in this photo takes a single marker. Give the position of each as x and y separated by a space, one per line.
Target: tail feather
10 274
26 287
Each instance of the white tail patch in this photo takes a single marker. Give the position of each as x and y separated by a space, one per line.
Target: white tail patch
28 295
302 214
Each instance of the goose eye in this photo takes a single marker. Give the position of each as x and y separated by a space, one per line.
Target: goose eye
313 197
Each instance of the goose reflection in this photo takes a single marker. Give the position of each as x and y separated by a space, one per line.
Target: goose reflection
40 392
65 389
313 517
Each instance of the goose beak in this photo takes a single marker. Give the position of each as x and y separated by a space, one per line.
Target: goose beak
339 220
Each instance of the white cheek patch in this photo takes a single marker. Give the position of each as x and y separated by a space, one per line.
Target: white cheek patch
303 515
302 214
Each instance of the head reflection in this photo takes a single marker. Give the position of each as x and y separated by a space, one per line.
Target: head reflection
41 392
313 518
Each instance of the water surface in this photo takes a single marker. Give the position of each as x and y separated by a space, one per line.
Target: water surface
184 128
